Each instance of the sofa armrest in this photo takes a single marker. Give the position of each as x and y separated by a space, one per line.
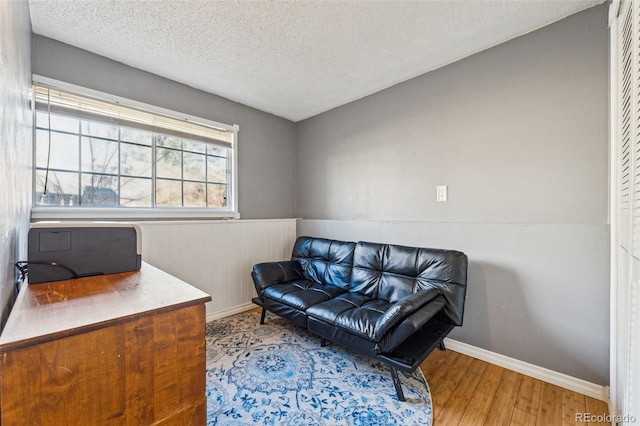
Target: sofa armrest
409 325
402 309
270 273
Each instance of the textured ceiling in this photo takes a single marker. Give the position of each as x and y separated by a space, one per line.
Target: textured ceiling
294 59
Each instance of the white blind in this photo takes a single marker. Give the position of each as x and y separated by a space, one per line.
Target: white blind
69 104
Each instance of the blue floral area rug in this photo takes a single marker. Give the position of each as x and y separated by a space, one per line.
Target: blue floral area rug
278 374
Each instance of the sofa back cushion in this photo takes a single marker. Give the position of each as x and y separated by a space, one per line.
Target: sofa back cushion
325 261
390 272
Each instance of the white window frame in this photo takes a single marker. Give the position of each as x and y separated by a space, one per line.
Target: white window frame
138 213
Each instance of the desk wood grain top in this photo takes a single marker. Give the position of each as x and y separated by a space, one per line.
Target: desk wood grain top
47 311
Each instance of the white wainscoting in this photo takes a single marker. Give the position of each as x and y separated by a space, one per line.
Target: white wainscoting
217 256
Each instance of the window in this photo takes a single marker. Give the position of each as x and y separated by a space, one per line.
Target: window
97 158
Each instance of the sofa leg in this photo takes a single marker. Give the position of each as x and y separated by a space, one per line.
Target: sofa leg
442 347
264 311
396 383
323 342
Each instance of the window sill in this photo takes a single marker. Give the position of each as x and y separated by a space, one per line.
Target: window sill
89 213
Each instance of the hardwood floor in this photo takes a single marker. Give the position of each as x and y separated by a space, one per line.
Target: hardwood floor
468 392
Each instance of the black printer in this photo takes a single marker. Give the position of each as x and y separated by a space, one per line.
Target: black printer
66 250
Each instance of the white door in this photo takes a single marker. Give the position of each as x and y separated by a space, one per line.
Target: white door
625 206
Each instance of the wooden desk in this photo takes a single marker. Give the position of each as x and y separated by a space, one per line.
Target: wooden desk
112 349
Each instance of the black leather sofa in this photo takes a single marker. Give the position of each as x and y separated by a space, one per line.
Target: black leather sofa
390 302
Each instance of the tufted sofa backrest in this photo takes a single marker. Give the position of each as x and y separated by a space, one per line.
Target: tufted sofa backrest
391 272
325 261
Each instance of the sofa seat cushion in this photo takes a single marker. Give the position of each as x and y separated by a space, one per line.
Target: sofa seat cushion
353 312
301 294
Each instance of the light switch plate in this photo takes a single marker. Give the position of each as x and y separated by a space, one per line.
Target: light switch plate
442 193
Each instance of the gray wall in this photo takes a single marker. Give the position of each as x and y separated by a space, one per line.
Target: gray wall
15 143
265 142
519 134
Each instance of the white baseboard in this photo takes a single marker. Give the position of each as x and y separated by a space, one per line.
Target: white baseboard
231 311
559 379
